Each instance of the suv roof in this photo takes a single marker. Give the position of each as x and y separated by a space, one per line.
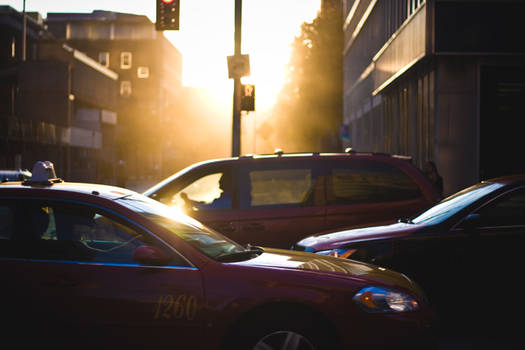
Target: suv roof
279 154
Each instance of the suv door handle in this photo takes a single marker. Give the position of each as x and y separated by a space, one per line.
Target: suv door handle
226 228
253 227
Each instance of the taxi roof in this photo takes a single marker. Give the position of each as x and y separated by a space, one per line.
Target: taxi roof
104 191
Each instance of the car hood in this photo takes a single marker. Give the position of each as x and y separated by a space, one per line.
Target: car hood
337 239
327 265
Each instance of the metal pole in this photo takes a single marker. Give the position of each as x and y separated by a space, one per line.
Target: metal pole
24 32
236 125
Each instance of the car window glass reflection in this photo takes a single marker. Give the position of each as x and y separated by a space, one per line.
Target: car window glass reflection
72 232
453 204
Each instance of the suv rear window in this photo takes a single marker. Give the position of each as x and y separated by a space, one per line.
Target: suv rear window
361 181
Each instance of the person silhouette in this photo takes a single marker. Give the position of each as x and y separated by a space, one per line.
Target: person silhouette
224 201
431 173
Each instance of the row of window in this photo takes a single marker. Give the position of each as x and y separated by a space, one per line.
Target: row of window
125 63
411 5
109 31
361 181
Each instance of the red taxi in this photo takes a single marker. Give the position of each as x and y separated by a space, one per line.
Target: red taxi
88 265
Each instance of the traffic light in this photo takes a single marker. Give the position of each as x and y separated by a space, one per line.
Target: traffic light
167 15
247 97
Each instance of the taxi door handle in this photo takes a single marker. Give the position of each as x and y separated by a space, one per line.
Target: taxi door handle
253 227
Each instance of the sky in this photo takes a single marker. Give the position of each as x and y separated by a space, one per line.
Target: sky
206 36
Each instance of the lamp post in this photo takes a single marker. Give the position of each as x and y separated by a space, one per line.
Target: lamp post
24 32
236 124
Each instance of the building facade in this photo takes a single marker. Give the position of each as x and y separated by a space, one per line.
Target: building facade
438 80
57 104
150 80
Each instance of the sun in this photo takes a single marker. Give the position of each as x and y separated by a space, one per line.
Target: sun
206 38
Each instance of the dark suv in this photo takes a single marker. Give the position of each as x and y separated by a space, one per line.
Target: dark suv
14 175
275 200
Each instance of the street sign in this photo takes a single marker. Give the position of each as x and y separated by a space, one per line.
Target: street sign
238 66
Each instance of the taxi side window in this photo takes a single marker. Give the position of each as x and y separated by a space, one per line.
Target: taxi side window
361 181
66 231
509 210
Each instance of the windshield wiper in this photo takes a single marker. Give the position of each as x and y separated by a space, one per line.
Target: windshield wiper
250 253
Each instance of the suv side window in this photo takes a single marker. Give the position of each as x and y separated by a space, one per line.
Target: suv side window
58 230
278 186
208 191
362 181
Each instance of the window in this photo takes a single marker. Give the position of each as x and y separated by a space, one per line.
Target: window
125 88
77 31
103 58
278 187
68 231
211 191
412 5
506 211
100 31
143 72
361 181
125 60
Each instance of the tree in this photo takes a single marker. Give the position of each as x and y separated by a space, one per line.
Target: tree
308 112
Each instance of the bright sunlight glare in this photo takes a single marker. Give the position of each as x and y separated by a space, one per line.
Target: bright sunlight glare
206 37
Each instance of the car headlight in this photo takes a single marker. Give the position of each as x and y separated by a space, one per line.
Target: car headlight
380 300
338 252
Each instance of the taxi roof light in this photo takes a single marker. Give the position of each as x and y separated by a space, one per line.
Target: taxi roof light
43 174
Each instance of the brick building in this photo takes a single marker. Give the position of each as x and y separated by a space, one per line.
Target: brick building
150 80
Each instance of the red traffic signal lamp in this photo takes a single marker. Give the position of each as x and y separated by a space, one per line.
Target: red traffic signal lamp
168 13
247 97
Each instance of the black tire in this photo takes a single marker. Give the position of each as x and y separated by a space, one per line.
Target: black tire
291 331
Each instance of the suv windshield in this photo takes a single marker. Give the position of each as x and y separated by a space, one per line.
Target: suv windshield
453 204
209 242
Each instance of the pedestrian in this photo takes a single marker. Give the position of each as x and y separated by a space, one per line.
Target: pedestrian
431 173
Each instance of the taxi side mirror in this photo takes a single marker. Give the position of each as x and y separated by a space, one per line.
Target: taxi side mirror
151 255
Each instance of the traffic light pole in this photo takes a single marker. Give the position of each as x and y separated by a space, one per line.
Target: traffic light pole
236 124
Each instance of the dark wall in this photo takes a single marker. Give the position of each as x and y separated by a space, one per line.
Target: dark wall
44 92
479 26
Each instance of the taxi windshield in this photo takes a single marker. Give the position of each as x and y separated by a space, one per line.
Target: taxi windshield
209 242
453 204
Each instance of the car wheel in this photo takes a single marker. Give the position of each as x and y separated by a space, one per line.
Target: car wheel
284 340
290 328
